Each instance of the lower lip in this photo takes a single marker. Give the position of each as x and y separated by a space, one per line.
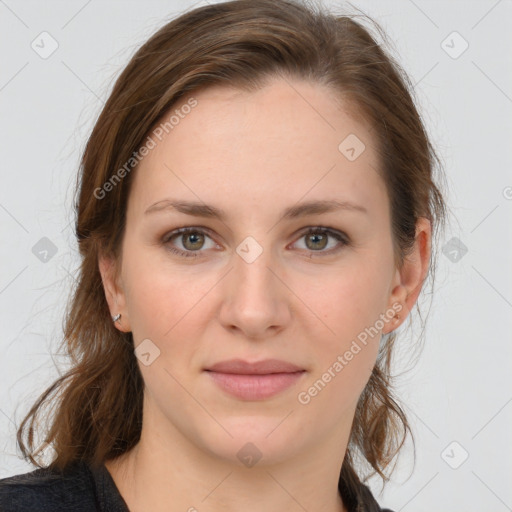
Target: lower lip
255 387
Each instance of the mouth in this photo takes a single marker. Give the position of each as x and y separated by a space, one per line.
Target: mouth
254 381
265 367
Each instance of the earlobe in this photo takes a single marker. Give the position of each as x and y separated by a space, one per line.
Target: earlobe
113 293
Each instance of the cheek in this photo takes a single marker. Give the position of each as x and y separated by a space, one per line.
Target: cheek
347 327
344 351
167 307
167 303
349 301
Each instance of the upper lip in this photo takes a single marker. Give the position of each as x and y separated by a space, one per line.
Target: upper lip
239 366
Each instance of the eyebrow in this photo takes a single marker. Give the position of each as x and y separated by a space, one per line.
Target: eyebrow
199 209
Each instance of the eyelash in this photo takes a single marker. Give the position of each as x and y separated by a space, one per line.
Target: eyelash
323 230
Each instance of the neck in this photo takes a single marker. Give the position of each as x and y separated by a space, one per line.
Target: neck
166 472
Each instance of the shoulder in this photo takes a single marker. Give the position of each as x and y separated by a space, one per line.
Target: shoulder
367 502
45 489
357 496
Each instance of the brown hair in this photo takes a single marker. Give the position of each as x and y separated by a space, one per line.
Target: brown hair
240 43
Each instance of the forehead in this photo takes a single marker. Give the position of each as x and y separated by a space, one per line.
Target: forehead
287 140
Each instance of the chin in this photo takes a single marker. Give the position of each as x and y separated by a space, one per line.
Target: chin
255 440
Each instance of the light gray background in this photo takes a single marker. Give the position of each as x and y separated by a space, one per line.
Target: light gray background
460 390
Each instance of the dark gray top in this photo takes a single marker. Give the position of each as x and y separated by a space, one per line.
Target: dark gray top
83 488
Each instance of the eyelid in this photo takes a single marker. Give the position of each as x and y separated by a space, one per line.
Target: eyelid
186 229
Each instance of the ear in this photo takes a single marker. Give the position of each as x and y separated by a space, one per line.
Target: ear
409 279
114 291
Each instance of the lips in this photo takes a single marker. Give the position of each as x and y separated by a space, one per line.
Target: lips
254 381
265 367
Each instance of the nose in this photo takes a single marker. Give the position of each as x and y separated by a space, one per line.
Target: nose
255 299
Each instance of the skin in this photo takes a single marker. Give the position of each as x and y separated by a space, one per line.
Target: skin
253 155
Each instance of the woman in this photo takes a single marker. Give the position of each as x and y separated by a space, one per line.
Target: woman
255 213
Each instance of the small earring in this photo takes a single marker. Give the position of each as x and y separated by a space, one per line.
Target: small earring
116 318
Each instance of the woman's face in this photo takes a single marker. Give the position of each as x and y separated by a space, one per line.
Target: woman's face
253 284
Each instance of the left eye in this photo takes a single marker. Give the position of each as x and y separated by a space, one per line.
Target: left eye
317 239
193 240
